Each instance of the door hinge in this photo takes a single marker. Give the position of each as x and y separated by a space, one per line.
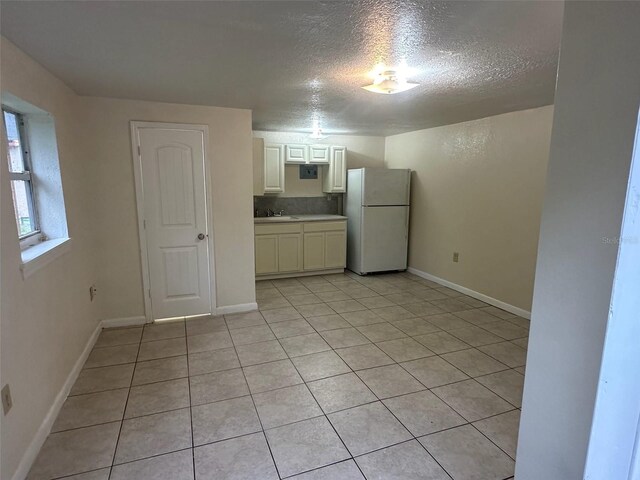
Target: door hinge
149 293
144 224
138 150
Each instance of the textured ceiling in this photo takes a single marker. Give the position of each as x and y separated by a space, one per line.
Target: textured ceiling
293 62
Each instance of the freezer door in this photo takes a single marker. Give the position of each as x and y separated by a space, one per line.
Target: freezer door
383 186
385 232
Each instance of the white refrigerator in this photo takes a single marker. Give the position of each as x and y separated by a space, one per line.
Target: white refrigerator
377 210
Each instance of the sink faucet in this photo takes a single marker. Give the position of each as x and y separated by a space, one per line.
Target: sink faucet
270 213
279 213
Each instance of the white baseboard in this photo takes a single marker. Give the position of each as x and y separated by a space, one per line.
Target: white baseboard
123 322
472 293
278 276
32 451
141 320
241 307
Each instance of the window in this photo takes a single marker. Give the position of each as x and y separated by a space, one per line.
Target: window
36 183
22 187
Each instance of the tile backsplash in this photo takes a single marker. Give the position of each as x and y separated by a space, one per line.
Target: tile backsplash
327 204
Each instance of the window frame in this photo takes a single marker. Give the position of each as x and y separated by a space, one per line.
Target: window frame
35 236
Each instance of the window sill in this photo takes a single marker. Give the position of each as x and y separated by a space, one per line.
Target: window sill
38 256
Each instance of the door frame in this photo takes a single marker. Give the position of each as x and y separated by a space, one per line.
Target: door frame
139 187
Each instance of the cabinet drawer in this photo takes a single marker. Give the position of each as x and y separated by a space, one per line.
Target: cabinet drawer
325 226
277 228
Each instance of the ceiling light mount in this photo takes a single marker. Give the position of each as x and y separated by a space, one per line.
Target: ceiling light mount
389 82
316 134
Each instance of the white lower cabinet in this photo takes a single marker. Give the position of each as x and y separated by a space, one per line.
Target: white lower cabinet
289 248
266 254
314 251
335 244
289 252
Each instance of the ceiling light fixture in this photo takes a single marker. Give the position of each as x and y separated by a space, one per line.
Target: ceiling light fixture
316 130
390 81
317 134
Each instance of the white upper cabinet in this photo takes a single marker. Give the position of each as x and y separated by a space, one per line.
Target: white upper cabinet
273 168
296 154
304 154
269 171
335 174
319 154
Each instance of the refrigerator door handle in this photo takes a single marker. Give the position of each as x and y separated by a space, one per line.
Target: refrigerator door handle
406 230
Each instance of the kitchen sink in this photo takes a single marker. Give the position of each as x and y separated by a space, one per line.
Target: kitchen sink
282 218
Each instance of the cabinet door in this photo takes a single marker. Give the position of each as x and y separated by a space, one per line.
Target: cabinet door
266 248
296 154
335 247
339 162
273 169
290 252
319 154
314 251
335 175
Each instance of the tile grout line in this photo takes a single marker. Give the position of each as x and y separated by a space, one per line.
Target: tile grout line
404 426
299 421
494 443
264 434
316 401
380 401
124 411
301 356
468 422
377 401
288 386
472 425
193 443
303 382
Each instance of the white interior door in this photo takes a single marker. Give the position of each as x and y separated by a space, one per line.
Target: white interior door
175 220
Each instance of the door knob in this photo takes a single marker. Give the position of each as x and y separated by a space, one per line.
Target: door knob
201 236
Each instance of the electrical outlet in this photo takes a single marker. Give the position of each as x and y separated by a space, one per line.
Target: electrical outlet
7 403
456 256
93 291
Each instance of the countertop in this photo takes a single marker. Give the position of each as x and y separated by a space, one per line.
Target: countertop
299 218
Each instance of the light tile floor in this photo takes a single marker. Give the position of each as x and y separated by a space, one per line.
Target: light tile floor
335 377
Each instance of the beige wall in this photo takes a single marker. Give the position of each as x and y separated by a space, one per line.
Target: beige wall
46 318
362 151
477 189
106 131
